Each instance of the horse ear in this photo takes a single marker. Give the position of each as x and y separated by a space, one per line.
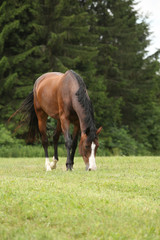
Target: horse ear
98 131
87 131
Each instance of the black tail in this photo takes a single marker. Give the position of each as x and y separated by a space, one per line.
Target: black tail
28 117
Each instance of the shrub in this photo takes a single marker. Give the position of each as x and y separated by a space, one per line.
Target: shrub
19 150
120 142
5 136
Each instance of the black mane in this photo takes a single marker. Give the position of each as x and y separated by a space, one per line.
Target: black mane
86 104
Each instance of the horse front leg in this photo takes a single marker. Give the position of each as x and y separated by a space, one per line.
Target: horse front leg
68 141
75 141
68 144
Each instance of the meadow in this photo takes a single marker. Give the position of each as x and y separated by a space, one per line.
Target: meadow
121 200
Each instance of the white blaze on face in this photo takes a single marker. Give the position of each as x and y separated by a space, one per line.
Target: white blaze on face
92 161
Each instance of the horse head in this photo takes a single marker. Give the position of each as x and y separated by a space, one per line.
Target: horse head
88 147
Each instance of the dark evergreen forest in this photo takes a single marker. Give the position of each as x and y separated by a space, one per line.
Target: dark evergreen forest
105 41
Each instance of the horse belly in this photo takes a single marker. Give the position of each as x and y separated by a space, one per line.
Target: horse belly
47 98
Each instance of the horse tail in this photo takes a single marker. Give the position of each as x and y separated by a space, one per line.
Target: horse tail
28 117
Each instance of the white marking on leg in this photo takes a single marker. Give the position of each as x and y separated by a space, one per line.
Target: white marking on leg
47 165
54 163
92 161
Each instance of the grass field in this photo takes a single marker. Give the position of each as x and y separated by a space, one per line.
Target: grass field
121 200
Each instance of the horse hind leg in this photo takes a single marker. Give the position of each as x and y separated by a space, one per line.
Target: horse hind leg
55 143
42 120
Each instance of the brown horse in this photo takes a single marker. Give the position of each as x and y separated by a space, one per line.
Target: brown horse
63 97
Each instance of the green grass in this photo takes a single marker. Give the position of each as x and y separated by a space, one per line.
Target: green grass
121 200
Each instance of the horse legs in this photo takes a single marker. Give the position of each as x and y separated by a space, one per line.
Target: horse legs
68 141
75 140
56 138
55 142
42 119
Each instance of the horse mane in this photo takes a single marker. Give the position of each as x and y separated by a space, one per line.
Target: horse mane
86 104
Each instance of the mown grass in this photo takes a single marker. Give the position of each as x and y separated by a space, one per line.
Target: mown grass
121 200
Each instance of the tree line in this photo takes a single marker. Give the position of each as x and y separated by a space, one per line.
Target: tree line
105 42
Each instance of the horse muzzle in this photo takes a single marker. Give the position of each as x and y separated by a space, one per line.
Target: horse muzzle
91 168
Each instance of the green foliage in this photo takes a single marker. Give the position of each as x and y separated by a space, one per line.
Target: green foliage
19 150
5 136
120 142
106 43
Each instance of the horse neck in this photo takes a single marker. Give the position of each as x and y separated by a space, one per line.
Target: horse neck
83 106
83 126
85 121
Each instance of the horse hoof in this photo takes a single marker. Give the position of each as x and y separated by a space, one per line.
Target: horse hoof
53 164
48 169
69 168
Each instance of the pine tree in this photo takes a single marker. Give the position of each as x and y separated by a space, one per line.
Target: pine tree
18 54
104 42
66 37
41 36
145 125
122 65
106 65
